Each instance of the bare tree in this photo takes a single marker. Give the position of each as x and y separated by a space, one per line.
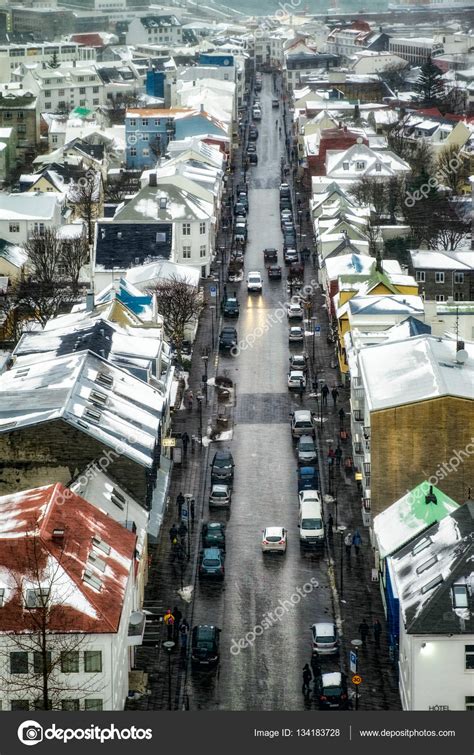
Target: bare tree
40 300
394 75
48 634
422 159
179 302
44 254
370 191
86 195
75 253
397 140
452 168
450 230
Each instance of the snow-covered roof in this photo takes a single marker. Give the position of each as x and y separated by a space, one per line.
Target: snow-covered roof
409 516
441 260
29 205
404 372
32 555
185 201
63 388
145 276
348 264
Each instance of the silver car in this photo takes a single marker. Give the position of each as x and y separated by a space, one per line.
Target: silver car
306 450
220 495
324 638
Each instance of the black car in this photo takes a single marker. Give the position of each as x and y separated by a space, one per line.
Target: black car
285 190
330 691
274 272
211 564
227 339
253 159
205 646
213 534
251 148
231 308
222 467
253 134
289 240
270 255
285 203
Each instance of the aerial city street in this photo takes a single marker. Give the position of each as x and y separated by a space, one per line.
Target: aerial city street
237 358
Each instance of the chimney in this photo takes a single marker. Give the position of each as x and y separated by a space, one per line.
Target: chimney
431 498
58 535
89 301
152 179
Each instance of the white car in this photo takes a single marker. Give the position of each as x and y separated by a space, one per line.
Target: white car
274 539
295 311
256 114
296 378
254 282
296 334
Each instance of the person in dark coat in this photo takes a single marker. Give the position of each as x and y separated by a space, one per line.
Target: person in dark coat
324 394
185 442
338 455
342 415
377 627
364 630
179 503
307 679
177 621
173 532
330 525
334 394
357 541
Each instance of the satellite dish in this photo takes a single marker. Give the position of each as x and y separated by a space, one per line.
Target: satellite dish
359 140
462 356
136 618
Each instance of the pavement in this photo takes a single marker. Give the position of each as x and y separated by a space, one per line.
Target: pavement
264 672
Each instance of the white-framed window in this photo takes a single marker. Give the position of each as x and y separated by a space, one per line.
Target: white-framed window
459 277
145 152
186 229
420 276
82 90
360 165
469 657
132 122
14 228
458 296
144 121
133 151
202 250
145 137
439 297
186 252
202 228
439 276
345 165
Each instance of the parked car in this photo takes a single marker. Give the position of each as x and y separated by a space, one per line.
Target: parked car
274 272
211 564
296 379
222 467
285 203
285 190
287 226
289 239
275 102
290 255
257 114
227 338
254 282
231 308
240 209
274 540
308 478
252 147
294 311
270 255
286 215
324 639
205 646
253 133
253 159
310 520
296 334
213 534
302 423
220 495
242 197
331 690
299 362
240 232
306 451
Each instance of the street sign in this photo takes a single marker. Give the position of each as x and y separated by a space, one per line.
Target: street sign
356 679
317 330
353 661
184 512
168 442
213 291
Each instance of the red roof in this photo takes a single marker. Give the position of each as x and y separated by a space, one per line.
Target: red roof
28 546
90 40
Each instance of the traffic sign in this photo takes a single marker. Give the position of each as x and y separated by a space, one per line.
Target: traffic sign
356 679
317 330
353 661
213 291
168 442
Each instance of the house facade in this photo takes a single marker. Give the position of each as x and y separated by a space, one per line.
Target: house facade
22 215
20 111
442 275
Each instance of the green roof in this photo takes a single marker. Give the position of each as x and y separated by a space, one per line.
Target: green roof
410 516
81 112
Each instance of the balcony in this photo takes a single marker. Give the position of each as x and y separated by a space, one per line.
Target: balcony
136 628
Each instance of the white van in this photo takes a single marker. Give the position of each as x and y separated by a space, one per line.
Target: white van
256 114
310 523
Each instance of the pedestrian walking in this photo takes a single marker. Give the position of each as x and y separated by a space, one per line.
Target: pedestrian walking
168 618
330 525
301 389
190 400
183 635
364 630
185 442
179 503
377 627
338 455
173 532
324 394
334 394
191 506
307 679
348 545
182 531
342 415
177 621
225 292
357 541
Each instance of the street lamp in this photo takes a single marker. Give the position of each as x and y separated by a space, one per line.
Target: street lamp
356 645
169 645
204 377
313 323
199 399
341 531
300 215
212 307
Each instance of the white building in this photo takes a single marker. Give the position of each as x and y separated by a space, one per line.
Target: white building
360 160
75 577
21 215
11 56
415 50
370 61
155 29
64 88
432 578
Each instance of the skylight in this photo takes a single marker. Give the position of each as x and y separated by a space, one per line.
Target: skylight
99 543
433 583
93 581
460 596
424 543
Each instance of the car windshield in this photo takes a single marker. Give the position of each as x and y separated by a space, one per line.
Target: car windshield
273 538
219 494
303 423
211 562
254 279
332 691
325 640
205 645
307 446
222 462
311 524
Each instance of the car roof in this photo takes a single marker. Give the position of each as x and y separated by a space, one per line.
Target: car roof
296 327
332 679
306 438
295 304
310 495
274 530
324 628
254 272
302 414
219 488
297 373
212 552
231 300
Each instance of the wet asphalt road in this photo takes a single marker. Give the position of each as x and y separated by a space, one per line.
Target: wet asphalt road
267 674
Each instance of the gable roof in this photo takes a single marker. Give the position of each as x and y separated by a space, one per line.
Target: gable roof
13 254
29 206
122 245
426 570
27 523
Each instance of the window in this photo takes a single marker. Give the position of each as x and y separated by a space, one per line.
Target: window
439 276
378 167
70 661
47 92
92 661
439 297
47 105
458 296
95 101
82 103
132 122
345 166
426 564
37 598
144 121
18 662
82 90
20 704
459 278
420 276
98 543
2 596
186 252
39 664
360 165
186 229
14 228
80 78
38 704
202 250
69 704
133 151
8 116
62 104
145 152
460 596
469 655
54 139
94 559
60 92
432 584
93 704
145 137
202 228
95 90
469 703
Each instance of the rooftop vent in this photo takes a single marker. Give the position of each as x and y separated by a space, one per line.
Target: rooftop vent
431 498
58 535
